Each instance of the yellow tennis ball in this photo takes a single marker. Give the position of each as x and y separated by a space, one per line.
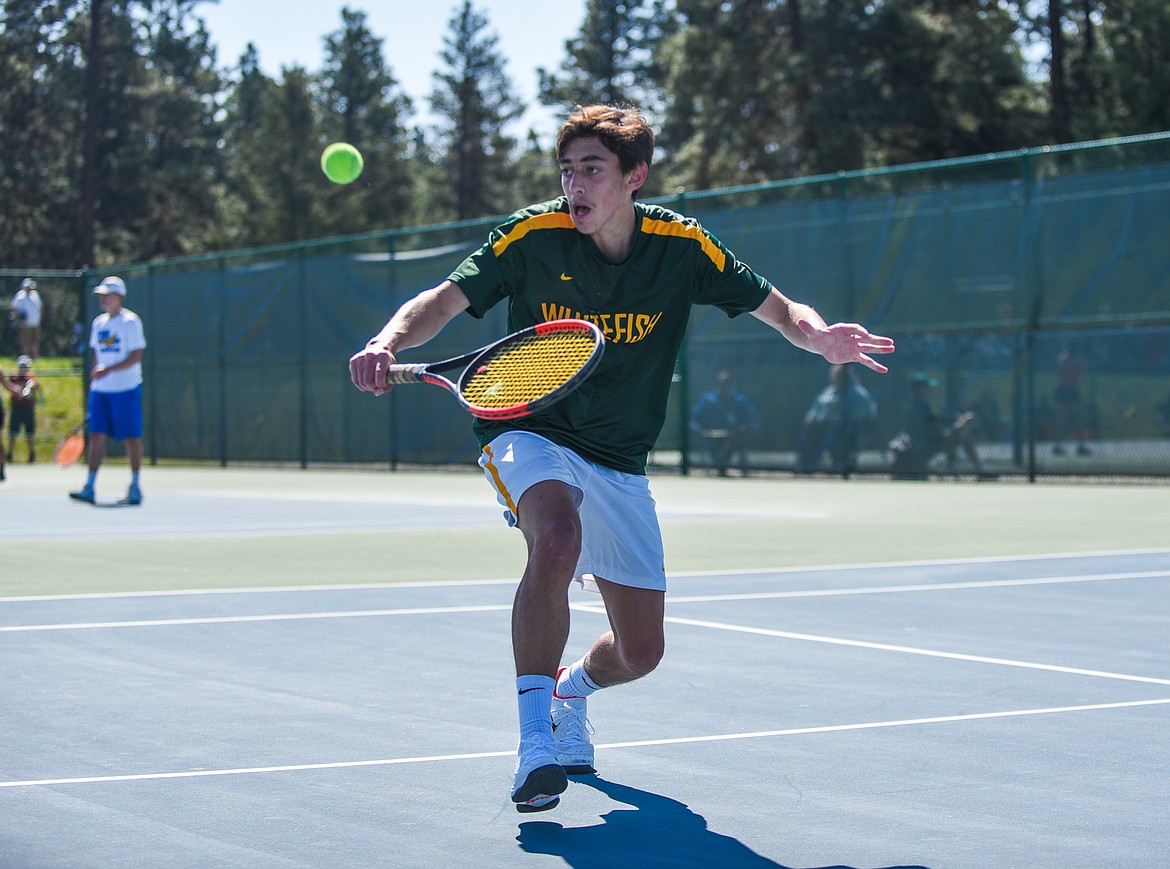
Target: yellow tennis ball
342 163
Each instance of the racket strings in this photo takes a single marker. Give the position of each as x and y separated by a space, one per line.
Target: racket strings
529 369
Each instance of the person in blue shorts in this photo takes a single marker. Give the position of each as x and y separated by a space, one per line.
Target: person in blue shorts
115 389
573 478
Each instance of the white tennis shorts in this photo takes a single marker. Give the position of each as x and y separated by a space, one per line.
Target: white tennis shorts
620 537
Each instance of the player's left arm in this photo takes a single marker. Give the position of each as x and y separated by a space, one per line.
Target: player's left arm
805 328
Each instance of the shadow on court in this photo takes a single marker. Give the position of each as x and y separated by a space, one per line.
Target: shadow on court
657 831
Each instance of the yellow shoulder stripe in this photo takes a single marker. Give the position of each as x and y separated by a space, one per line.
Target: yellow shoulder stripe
552 220
683 230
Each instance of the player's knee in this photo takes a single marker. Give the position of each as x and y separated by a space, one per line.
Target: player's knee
643 655
557 543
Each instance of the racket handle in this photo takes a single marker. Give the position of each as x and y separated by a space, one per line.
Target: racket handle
402 372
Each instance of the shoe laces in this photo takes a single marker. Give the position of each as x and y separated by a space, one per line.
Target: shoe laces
572 723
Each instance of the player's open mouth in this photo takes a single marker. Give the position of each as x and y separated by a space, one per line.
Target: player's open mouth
580 211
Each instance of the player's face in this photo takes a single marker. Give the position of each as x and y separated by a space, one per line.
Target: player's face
599 194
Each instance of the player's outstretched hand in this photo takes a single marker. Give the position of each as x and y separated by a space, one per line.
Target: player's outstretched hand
847 342
367 369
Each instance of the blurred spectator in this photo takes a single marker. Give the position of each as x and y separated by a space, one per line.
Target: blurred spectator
26 309
927 434
841 411
722 418
990 422
1070 371
77 339
24 391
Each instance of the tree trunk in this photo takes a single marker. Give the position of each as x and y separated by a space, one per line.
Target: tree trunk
85 252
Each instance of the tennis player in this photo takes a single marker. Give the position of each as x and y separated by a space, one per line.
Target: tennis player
115 389
572 478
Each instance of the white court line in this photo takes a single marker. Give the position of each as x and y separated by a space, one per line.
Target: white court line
875 725
680 574
267 589
587 606
482 504
910 650
272 617
930 562
642 743
489 506
937 586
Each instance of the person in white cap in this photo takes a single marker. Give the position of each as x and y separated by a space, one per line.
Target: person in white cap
26 311
23 386
115 389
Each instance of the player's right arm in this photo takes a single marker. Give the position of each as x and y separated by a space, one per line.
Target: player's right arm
414 324
8 384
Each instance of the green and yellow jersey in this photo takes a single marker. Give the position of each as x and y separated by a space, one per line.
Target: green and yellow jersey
546 270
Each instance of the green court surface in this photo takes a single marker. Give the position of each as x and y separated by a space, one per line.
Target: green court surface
242 528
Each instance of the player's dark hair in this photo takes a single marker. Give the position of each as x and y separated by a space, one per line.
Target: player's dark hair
621 129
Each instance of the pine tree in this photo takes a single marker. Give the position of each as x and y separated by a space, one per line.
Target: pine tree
40 128
474 98
292 140
1136 34
178 132
726 94
613 57
248 198
361 105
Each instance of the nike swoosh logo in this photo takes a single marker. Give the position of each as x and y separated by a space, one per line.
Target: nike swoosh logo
526 690
565 277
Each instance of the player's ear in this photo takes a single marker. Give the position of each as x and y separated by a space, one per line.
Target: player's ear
636 177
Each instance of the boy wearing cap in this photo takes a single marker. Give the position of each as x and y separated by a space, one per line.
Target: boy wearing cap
927 433
26 311
23 386
115 389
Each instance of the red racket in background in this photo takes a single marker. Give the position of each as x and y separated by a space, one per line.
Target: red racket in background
70 448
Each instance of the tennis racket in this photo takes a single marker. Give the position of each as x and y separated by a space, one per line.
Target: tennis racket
70 448
517 376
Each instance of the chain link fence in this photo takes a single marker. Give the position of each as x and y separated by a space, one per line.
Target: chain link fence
1028 294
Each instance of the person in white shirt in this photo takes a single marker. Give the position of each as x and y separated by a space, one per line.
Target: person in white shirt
115 389
27 308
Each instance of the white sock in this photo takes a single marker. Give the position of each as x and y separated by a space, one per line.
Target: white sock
534 698
574 682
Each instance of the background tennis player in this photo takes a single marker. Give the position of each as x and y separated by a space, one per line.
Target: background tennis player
115 389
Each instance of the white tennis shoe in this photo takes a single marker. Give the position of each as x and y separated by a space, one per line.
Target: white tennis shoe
540 779
571 729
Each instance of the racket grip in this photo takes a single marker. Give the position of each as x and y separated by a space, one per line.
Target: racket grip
404 373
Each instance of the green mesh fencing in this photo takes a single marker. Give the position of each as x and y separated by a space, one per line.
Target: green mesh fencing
983 271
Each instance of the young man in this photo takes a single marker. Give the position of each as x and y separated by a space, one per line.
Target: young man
573 478
115 389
